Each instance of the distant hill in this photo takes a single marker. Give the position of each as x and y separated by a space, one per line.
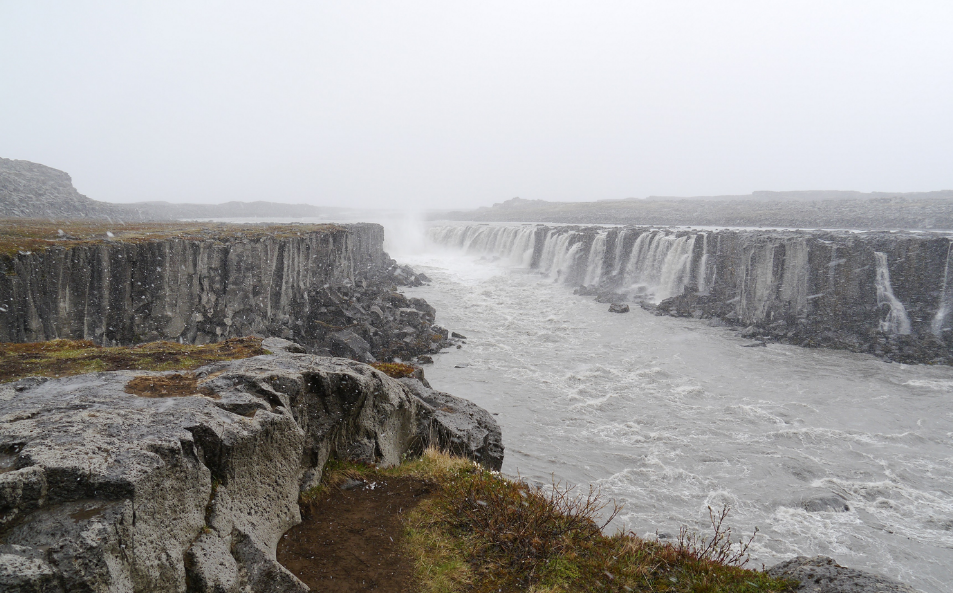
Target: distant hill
31 190
801 209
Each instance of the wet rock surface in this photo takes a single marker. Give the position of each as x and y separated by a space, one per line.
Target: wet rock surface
110 490
821 574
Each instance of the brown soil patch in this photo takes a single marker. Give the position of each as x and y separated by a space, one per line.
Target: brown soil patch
60 358
174 385
351 539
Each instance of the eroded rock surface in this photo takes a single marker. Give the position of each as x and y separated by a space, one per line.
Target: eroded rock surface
107 490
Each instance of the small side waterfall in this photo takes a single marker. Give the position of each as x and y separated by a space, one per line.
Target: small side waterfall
896 321
945 304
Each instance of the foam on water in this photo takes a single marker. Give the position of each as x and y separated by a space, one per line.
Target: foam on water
670 416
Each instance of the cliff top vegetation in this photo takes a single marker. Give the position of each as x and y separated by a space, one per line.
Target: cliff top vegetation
61 358
471 529
24 235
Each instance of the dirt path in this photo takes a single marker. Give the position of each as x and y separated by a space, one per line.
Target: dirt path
349 541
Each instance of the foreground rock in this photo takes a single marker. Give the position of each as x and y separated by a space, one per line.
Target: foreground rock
126 480
821 574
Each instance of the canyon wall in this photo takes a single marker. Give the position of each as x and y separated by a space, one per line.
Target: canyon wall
887 293
328 287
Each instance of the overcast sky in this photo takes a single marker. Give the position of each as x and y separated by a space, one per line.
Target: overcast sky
460 104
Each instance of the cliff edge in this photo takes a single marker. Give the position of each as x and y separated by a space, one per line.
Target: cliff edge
177 481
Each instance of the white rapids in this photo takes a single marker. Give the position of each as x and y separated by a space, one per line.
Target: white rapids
670 415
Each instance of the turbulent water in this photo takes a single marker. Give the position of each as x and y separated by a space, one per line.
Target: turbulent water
670 415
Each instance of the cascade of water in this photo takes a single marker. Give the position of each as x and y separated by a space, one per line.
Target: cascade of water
945 306
659 265
617 255
702 273
676 268
633 269
549 252
564 256
521 253
594 264
896 321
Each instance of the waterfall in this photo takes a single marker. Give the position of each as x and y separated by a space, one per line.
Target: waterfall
563 259
659 265
945 306
514 243
617 255
896 321
702 272
594 265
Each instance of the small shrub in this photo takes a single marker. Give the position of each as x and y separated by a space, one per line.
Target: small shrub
719 547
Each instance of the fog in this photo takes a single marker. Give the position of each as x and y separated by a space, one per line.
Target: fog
458 105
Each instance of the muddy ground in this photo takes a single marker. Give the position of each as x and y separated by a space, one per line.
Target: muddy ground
350 540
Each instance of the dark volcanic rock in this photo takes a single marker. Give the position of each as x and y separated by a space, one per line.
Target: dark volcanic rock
332 290
108 490
821 574
618 308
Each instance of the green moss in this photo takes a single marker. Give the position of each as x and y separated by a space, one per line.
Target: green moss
60 358
395 369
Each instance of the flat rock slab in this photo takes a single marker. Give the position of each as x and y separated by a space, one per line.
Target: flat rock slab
350 541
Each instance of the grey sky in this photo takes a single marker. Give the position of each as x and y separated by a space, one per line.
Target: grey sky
453 104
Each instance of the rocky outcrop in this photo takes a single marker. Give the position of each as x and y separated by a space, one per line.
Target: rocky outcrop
137 481
821 574
329 287
889 294
30 190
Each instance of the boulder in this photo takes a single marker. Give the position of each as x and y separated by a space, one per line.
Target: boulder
821 574
115 484
618 308
458 425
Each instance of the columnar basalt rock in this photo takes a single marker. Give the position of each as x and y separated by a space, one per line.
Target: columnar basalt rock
106 487
307 285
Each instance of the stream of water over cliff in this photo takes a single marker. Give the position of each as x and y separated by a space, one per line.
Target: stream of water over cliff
670 415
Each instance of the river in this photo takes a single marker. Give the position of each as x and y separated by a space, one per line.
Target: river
670 416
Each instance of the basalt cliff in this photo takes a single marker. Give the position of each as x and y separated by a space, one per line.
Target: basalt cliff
886 293
331 288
